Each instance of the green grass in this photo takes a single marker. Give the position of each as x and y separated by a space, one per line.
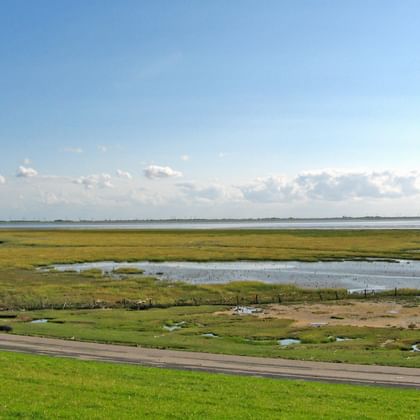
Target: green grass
24 288
29 289
128 270
26 249
243 335
22 251
41 387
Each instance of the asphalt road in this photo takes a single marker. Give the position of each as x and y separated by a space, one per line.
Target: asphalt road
219 363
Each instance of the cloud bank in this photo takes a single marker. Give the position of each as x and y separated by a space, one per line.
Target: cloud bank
331 185
325 193
210 193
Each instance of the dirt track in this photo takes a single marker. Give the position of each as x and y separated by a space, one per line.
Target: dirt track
240 365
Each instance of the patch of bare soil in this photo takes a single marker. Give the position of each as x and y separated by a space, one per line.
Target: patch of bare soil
354 313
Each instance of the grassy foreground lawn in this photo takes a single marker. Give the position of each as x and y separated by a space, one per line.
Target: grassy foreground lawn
43 387
242 335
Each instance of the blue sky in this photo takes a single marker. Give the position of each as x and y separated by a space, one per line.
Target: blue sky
209 109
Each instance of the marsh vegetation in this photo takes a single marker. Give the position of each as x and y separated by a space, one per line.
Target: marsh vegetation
141 310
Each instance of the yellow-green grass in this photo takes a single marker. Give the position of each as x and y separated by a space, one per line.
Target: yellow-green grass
242 335
26 249
22 287
31 289
42 387
26 289
21 251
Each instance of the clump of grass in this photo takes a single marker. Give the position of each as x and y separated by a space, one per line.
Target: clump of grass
95 273
128 270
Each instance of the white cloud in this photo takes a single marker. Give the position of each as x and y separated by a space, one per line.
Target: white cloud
332 185
51 198
150 198
185 158
95 180
210 192
270 189
306 194
123 174
2 179
158 172
26 161
73 150
103 148
26 172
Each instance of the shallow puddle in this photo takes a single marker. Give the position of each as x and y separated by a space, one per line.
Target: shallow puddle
171 328
39 321
288 341
246 310
343 339
174 327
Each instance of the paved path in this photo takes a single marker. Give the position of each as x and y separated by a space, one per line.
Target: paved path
241 365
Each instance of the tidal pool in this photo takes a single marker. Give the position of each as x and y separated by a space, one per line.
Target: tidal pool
356 276
339 339
246 310
174 327
288 341
39 321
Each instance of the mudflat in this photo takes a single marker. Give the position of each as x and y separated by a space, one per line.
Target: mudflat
352 313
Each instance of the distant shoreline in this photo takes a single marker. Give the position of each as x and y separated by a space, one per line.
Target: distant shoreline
222 220
386 223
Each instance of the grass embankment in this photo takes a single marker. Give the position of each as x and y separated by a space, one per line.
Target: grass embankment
242 335
43 387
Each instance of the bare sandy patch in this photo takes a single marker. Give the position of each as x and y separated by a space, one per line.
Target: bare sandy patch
353 313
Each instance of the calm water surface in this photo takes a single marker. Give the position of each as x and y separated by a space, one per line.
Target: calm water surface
283 224
352 275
